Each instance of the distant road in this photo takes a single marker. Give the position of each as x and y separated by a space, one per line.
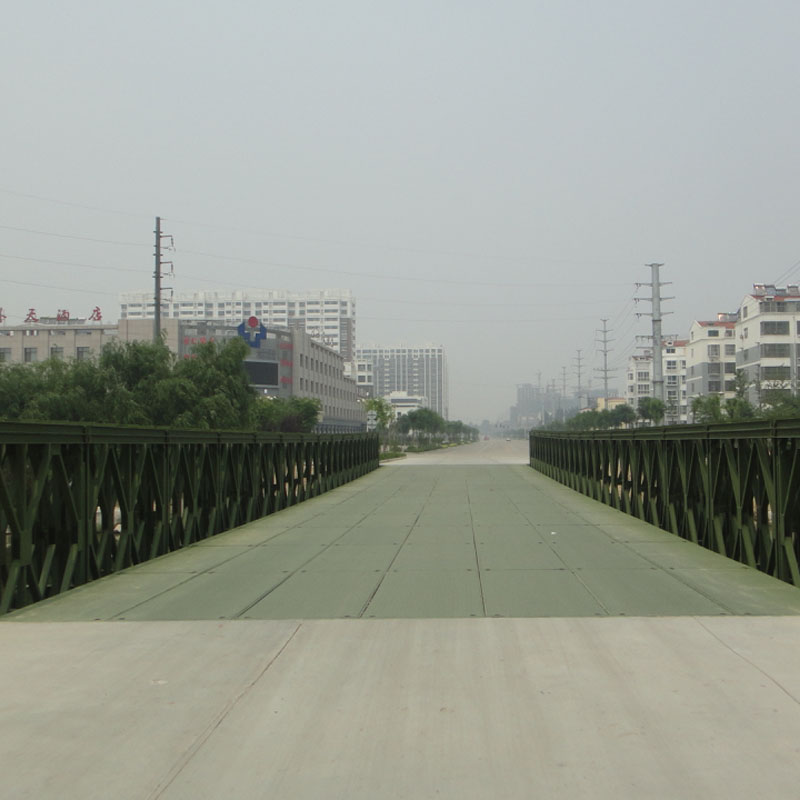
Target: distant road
494 451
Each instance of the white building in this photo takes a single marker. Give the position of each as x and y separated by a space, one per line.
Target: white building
711 357
640 378
768 339
402 403
419 371
327 315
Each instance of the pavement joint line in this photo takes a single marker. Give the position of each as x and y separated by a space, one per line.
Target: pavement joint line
200 740
120 615
673 573
305 563
394 558
475 547
558 555
744 658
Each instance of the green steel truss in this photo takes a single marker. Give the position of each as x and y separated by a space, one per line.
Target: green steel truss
78 502
733 488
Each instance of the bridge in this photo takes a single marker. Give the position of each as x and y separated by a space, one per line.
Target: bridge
455 624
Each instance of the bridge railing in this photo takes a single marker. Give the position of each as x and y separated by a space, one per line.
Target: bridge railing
78 502
733 488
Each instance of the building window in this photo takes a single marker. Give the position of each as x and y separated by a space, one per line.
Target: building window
82 353
775 373
713 351
56 352
672 365
775 328
643 388
29 355
5 354
730 349
730 367
775 350
714 386
643 376
713 332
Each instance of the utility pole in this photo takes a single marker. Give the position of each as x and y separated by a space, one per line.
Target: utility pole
655 299
564 383
578 363
605 350
158 275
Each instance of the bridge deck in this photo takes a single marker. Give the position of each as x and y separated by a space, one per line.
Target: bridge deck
426 541
695 692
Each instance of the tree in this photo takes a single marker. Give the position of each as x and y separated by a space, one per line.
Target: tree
286 415
651 409
707 409
623 415
384 415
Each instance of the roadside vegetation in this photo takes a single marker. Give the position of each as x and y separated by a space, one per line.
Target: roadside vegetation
776 401
143 383
417 431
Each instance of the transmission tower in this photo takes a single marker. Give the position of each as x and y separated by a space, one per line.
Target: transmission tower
655 299
158 274
604 371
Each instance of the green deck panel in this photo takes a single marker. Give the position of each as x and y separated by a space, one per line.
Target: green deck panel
646 592
317 595
437 556
210 596
102 599
433 541
510 556
193 559
537 593
428 593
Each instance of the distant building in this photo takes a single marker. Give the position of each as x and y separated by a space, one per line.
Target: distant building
327 315
640 378
711 357
68 339
419 371
280 363
402 403
768 339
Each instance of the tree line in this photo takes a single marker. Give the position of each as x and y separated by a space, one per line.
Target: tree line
775 402
421 428
144 383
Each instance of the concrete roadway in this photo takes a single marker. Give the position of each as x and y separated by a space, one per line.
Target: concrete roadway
452 625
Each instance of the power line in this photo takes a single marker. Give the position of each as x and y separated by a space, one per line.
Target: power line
71 236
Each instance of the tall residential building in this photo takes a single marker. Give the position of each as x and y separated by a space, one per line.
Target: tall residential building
420 371
768 339
327 315
711 357
640 378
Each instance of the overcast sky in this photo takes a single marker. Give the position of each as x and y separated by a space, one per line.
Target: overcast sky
492 177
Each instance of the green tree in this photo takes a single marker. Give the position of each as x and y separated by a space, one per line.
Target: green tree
707 409
623 415
383 411
286 415
651 409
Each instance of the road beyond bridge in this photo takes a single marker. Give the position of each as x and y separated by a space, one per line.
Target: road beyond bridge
451 625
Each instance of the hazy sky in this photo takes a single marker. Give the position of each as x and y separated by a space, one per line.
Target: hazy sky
488 176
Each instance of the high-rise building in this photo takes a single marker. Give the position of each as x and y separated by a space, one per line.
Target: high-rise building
327 315
711 357
768 340
673 370
420 371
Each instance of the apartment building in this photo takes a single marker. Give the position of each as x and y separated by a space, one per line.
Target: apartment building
640 378
711 357
768 339
327 315
419 371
